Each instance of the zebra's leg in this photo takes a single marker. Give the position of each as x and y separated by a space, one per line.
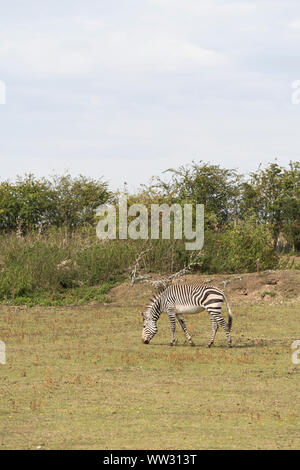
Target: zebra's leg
171 315
227 331
217 317
214 326
182 324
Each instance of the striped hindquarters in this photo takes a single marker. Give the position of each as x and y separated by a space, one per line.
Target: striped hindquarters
205 296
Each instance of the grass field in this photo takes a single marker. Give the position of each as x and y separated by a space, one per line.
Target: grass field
80 378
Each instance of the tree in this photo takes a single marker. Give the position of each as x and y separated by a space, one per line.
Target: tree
31 203
77 199
27 203
202 183
272 194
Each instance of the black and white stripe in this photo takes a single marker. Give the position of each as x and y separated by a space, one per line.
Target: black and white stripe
179 299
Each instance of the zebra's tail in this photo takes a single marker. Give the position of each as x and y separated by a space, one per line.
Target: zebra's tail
229 323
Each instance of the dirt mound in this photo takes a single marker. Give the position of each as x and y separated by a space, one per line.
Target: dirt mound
268 286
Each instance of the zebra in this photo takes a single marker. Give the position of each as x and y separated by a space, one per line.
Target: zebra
185 298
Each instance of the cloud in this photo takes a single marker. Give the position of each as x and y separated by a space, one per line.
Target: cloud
93 50
210 8
295 24
131 88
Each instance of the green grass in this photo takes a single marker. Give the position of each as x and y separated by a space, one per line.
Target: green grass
59 268
69 296
62 268
271 294
79 377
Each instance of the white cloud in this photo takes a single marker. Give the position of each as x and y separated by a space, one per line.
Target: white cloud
82 54
131 88
295 24
211 7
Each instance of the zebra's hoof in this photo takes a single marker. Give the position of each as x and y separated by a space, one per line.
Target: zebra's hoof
209 345
229 346
171 344
192 344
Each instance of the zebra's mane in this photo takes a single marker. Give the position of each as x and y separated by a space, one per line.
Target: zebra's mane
153 299
151 303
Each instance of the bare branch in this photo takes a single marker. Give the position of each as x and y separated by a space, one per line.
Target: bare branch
162 283
227 281
133 274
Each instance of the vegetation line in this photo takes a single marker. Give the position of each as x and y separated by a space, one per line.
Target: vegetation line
50 255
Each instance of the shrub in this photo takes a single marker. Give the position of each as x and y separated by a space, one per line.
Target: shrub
246 247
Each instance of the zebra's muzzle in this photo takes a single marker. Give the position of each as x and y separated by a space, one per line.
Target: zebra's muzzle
145 341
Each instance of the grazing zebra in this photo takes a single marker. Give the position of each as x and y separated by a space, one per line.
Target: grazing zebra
182 298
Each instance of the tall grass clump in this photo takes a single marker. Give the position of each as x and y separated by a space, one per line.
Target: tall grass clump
245 247
60 266
56 266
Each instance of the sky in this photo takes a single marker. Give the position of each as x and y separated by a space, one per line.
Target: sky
125 89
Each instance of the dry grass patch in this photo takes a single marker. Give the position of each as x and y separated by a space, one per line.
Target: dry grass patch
81 378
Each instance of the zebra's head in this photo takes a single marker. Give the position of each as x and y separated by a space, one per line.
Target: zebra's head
150 317
149 327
